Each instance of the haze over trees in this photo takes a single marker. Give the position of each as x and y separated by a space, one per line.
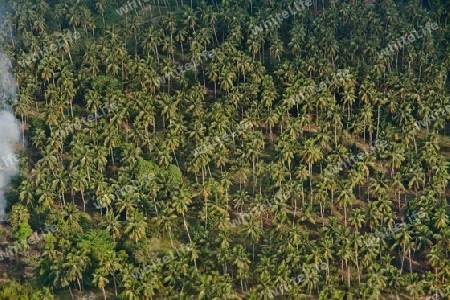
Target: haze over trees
176 163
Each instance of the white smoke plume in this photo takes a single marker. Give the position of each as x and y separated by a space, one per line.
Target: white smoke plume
9 130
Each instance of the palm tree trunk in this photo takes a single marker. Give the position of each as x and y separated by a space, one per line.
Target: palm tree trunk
175 156
171 240
112 155
215 34
364 132
345 216
206 212
378 122
70 290
295 210
115 284
187 229
79 283
348 275
403 260
410 262
84 201
182 50
357 265
156 48
310 182
332 201
271 135
335 134
303 196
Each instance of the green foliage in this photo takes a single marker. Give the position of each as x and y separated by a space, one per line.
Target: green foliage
15 290
174 174
18 215
23 232
175 162
146 169
36 125
106 84
96 242
38 217
86 222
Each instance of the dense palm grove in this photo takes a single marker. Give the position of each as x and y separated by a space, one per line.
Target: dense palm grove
225 157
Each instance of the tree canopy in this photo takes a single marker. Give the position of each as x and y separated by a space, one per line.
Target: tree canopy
137 143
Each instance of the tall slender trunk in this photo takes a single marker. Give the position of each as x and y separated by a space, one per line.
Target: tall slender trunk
115 283
378 122
310 181
187 229
84 201
357 265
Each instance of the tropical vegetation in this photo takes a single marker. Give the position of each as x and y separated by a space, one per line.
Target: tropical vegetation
265 160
